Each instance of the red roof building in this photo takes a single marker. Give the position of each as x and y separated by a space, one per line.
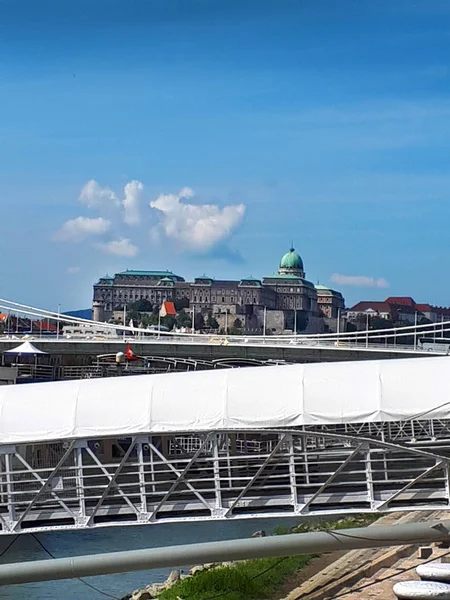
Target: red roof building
401 301
382 309
45 325
167 309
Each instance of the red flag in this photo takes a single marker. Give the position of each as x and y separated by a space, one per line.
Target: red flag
130 355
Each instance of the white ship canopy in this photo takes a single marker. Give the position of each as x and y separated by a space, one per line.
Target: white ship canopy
25 348
246 398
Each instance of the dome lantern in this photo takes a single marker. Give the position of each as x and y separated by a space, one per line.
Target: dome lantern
291 264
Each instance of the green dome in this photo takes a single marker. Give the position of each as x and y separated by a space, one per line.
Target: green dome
291 260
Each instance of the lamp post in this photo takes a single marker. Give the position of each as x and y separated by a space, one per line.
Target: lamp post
264 322
415 330
367 330
57 325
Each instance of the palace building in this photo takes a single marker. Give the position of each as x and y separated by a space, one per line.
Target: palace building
286 297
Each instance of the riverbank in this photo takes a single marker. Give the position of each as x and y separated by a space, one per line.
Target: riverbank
363 569
246 580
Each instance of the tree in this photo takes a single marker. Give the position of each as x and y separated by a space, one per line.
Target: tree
212 322
377 322
133 315
181 303
148 320
237 327
142 305
183 319
168 321
424 321
302 321
199 322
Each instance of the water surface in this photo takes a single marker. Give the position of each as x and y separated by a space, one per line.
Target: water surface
75 543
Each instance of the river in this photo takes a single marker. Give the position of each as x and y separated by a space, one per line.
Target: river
74 543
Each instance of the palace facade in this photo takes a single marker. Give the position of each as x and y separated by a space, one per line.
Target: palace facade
286 297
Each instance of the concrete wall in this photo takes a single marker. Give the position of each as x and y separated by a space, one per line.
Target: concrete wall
8 375
275 321
290 353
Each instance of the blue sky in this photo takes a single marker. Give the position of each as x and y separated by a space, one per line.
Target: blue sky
247 124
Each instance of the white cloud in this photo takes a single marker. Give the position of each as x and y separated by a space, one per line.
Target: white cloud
120 247
76 230
132 192
359 281
93 196
195 226
73 270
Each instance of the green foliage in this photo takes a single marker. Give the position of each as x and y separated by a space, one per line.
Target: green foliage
134 316
141 306
302 321
183 319
238 324
168 322
344 523
379 323
236 329
181 303
424 321
249 580
199 322
148 320
212 322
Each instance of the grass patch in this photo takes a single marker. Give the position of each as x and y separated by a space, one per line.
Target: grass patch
249 580
257 578
344 523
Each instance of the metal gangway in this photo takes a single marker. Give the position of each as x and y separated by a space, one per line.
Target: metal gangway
217 475
317 439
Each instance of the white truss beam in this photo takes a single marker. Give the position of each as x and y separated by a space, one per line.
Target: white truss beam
224 475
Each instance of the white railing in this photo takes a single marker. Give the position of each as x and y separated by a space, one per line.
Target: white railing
387 338
255 341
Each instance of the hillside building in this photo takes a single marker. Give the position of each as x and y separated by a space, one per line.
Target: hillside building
286 297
